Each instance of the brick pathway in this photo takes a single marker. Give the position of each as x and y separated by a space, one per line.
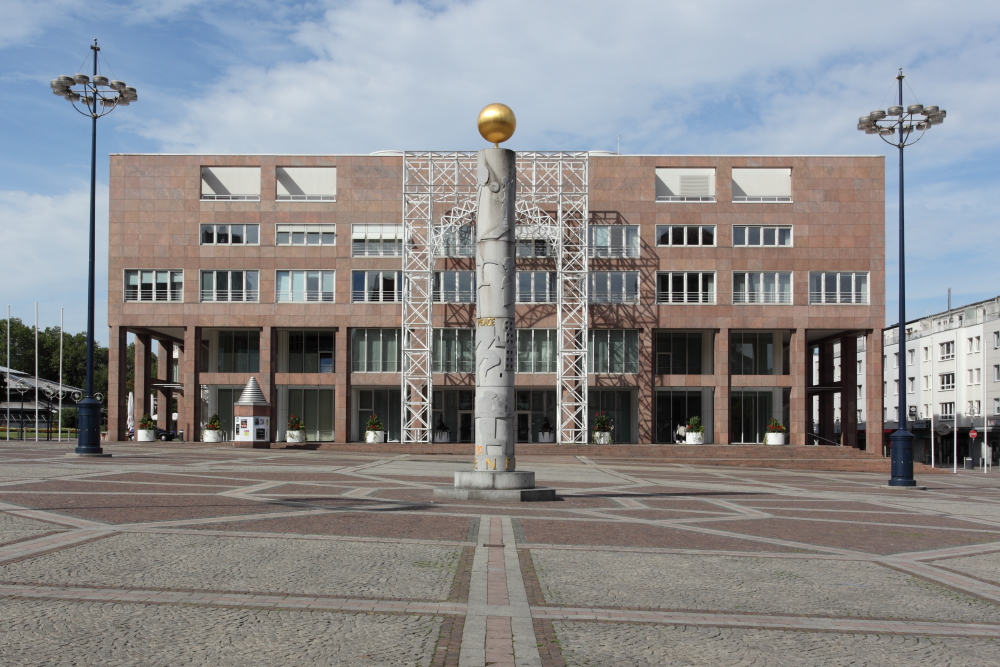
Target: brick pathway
195 555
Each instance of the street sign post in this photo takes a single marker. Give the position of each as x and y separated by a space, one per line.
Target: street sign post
973 433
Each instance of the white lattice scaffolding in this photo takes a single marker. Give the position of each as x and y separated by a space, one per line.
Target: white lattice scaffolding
547 182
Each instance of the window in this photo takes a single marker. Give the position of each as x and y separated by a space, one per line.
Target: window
454 351
834 287
239 352
154 285
613 287
230 183
376 286
996 406
974 407
927 382
769 236
762 287
947 381
685 287
535 240
685 235
613 241
376 240
685 185
375 351
306 183
996 339
308 351
455 286
975 376
996 373
536 350
753 353
305 235
455 240
969 345
978 343
536 286
230 234
911 357
762 185
229 286
911 385
679 353
613 351
895 359
860 393
301 286
927 354
947 350
895 387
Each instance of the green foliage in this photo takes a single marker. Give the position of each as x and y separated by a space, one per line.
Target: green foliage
22 355
695 425
146 423
374 424
546 427
295 424
69 418
214 423
441 426
602 422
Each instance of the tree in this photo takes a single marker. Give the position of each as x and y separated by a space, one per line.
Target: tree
22 355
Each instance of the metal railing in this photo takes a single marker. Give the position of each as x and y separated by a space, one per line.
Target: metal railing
136 294
306 198
762 199
612 252
607 297
762 297
304 296
205 197
230 295
454 296
685 297
377 250
838 298
679 198
364 296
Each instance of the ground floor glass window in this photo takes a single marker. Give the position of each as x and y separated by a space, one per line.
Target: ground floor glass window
386 404
533 408
618 406
456 409
674 408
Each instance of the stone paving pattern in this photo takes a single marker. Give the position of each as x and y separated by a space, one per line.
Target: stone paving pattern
197 555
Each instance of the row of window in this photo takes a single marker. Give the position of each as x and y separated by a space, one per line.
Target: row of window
946 381
604 241
946 350
677 184
603 287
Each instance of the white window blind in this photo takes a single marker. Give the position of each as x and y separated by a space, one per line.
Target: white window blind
230 183
306 183
762 185
685 184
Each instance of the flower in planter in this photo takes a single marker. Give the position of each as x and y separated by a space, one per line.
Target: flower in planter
374 424
146 423
602 422
440 426
774 426
295 424
695 425
214 423
546 427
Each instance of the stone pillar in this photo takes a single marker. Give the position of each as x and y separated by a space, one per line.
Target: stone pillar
800 369
849 390
342 387
646 389
141 377
189 415
165 397
723 382
873 392
117 389
495 344
826 395
268 367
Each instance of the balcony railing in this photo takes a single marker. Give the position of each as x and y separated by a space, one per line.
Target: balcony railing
682 198
158 295
306 198
304 296
205 197
685 297
607 297
364 296
612 252
454 296
384 249
838 297
762 297
231 295
747 198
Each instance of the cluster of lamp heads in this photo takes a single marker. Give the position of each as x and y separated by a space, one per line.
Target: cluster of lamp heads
92 93
888 122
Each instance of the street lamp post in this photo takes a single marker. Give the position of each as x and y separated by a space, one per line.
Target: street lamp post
94 97
900 127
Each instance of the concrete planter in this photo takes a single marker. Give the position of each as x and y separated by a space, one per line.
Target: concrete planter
211 435
374 436
774 438
546 436
695 438
145 435
601 437
295 436
442 436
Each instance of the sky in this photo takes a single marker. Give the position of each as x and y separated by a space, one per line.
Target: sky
668 77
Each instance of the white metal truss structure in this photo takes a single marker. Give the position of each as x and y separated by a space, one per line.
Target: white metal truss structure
443 185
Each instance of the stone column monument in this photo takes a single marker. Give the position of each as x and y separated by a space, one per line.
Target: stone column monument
494 475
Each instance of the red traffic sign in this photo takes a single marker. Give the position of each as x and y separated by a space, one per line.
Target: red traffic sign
973 433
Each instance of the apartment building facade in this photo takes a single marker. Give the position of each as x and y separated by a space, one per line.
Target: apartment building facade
718 287
952 382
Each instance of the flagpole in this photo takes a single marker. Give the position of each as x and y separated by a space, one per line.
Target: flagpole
61 313
36 371
8 373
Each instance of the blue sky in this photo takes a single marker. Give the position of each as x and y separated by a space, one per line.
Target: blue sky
669 77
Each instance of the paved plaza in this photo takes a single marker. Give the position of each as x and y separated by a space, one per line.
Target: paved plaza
187 554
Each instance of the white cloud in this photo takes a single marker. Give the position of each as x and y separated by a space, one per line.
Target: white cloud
44 240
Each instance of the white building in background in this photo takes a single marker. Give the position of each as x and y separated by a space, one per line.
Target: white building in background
952 364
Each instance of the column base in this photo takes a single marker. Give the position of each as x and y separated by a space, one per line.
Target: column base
496 486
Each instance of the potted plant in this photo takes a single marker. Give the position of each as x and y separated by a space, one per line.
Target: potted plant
695 432
212 430
441 431
296 431
147 430
601 434
775 433
546 433
374 431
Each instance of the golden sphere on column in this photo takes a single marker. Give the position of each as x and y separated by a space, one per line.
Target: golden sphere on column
497 123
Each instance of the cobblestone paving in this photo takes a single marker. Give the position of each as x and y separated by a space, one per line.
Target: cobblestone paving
53 632
752 585
300 567
621 645
640 563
